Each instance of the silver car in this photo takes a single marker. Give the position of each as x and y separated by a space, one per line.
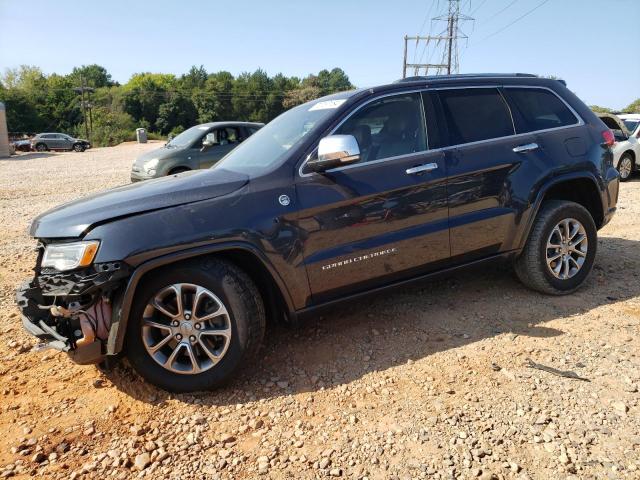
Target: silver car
58 141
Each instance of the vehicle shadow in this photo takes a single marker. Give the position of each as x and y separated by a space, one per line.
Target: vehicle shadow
30 155
373 335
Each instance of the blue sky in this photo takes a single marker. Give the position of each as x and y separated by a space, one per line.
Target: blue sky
592 44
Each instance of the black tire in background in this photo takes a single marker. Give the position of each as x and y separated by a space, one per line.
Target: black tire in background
531 266
78 147
246 314
626 166
41 147
178 170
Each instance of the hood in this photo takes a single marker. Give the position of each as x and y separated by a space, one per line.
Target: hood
76 218
159 153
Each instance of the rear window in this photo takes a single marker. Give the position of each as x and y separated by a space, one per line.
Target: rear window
475 114
537 109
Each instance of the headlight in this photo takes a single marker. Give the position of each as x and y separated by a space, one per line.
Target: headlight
151 164
67 256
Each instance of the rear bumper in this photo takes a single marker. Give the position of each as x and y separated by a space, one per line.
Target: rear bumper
610 195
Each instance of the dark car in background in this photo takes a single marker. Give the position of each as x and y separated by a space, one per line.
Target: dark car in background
58 141
340 197
23 145
198 147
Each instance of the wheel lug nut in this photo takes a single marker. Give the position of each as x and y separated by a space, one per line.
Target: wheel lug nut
198 326
178 337
175 323
192 338
187 316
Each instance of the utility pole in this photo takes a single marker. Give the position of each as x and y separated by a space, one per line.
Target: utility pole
86 105
447 41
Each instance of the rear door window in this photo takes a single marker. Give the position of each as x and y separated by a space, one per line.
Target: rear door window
538 109
475 114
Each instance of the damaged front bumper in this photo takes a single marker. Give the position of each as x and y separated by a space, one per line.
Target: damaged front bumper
72 311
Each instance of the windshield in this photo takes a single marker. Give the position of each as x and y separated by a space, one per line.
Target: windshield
631 124
267 147
187 137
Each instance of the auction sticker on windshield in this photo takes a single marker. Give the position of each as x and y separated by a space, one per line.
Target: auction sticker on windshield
327 105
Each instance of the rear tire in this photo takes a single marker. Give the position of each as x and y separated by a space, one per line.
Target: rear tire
41 147
210 351
542 266
626 166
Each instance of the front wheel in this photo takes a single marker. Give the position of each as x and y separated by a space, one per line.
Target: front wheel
78 147
192 326
625 167
560 250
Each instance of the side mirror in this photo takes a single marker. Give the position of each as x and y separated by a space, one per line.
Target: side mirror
335 151
209 141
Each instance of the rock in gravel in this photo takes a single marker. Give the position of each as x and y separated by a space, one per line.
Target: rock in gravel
142 461
620 407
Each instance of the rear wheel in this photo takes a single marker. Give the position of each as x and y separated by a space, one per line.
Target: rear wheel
626 165
561 249
41 147
192 326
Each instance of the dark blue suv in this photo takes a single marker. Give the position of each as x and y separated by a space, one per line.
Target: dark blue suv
337 198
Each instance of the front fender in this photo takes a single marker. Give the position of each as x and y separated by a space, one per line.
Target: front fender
124 301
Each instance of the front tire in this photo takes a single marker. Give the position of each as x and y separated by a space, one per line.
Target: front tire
78 147
625 167
560 250
193 325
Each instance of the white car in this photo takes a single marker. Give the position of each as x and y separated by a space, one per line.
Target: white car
632 122
626 151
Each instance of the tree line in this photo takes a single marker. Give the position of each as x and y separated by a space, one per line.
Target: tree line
162 103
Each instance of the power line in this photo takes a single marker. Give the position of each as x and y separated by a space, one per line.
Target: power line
500 11
514 21
478 7
426 18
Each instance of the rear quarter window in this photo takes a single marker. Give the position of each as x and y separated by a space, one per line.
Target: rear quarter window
475 114
538 109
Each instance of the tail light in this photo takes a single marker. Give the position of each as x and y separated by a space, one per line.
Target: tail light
608 138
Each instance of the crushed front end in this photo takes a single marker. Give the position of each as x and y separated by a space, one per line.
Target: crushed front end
72 310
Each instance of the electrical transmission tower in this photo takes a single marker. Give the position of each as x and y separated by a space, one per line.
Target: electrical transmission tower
446 42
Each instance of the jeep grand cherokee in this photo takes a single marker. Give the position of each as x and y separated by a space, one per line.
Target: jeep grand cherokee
336 198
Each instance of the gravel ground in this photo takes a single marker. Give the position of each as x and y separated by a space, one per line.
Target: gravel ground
429 382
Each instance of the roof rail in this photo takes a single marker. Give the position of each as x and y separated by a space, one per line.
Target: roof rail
464 75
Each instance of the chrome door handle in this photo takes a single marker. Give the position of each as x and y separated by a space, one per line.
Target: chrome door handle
427 167
526 148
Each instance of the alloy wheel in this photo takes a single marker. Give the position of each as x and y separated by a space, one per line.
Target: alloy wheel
186 329
567 248
625 166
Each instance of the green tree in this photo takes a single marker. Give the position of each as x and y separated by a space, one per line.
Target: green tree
93 75
633 107
145 92
599 109
110 127
179 111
